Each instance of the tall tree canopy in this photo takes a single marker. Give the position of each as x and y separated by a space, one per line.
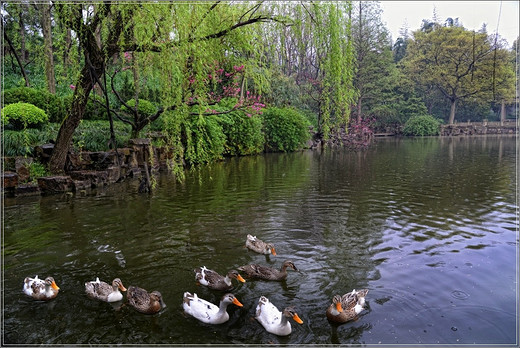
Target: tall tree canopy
457 62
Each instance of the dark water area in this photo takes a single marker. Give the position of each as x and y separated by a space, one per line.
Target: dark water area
429 226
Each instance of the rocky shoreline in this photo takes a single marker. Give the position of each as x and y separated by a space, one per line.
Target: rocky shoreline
90 170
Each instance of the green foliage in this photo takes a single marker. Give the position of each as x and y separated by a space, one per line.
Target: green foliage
50 103
285 129
460 63
421 126
203 139
37 170
145 107
95 135
23 115
397 102
18 143
95 109
22 143
244 133
89 136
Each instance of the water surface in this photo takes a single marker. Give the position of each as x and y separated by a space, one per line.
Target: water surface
429 226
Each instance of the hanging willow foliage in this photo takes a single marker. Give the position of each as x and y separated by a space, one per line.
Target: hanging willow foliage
179 48
316 50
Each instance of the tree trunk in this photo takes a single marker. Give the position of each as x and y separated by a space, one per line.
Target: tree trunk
503 112
71 122
47 38
452 111
11 47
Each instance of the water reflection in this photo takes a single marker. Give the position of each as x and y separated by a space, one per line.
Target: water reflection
428 225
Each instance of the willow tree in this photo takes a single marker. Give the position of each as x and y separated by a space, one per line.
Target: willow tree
316 51
180 43
460 63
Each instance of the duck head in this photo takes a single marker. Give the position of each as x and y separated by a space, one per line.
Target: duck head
234 274
269 248
230 298
117 283
290 312
49 282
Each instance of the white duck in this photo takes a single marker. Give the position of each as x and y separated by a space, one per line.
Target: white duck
104 291
40 289
206 311
273 320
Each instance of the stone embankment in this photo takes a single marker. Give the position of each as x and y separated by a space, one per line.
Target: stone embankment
479 128
84 170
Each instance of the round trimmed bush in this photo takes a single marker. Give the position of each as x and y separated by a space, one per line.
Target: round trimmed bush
50 103
421 126
145 107
285 129
23 115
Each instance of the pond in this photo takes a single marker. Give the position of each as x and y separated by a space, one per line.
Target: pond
429 226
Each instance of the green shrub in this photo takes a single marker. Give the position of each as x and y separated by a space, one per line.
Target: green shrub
421 126
23 115
243 133
203 139
50 103
145 107
37 170
285 129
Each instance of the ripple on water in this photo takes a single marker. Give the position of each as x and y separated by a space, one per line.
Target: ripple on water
459 295
353 221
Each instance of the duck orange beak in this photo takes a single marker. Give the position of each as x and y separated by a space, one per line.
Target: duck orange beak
54 286
273 251
297 319
239 277
237 302
338 307
121 287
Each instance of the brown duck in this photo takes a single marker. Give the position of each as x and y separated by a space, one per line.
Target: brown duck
144 302
255 271
347 307
259 246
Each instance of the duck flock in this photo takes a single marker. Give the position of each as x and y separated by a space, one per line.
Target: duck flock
342 309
